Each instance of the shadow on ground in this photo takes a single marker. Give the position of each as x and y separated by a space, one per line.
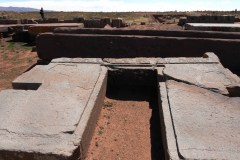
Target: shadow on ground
149 94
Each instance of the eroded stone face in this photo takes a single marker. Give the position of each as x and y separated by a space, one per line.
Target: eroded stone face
206 124
210 76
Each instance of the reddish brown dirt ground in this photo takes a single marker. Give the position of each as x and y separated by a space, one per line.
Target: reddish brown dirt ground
158 26
15 58
127 128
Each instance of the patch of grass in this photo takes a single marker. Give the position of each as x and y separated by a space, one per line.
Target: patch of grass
29 60
5 56
106 116
96 144
15 58
11 46
107 104
101 130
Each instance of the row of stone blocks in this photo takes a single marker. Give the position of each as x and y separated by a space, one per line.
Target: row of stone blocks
55 120
210 19
88 23
129 44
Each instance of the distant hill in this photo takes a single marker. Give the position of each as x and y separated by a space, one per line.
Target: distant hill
19 9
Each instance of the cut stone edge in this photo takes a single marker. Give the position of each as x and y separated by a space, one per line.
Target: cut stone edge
86 126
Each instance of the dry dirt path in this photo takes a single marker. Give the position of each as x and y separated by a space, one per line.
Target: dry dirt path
128 127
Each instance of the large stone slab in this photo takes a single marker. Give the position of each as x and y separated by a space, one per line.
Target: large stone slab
209 19
213 27
169 140
50 46
42 28
52 121
211 76
206 124
164 33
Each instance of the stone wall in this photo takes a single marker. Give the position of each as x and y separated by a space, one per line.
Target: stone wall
210 19
196 34
9 21
50 46
213 27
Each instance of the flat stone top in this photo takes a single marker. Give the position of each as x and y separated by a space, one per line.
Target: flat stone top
208 58
45 120
77 60
211 76
57 25
207 124
235 25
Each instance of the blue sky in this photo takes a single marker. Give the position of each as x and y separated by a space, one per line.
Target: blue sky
125 5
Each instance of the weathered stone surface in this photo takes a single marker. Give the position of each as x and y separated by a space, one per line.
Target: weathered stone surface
206 124
118 22
9 21
3 28
164 33
50 46
213 27
45 124
169 140
210 19
208 57
77 60
42 28
133 61
211 76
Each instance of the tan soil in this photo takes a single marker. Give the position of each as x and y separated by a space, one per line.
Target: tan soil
158 26
123 131
14 60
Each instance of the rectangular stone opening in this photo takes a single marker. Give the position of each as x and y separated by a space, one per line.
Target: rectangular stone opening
129 123
26 86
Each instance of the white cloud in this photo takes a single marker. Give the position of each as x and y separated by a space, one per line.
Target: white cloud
120 5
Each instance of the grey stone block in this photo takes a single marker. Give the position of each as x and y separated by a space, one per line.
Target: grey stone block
211 76
206 124
213 27
50 123
164 33
50 46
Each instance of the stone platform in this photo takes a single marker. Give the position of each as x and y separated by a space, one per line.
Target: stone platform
52 110
55 120
42 28
199 120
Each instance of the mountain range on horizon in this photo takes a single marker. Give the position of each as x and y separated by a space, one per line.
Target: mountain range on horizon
19 9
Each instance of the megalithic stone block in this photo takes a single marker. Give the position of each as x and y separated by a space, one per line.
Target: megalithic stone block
50 46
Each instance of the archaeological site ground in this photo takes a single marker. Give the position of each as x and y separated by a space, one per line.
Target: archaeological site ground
120 86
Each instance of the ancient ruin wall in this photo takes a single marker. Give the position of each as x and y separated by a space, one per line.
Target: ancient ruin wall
50 46
194 34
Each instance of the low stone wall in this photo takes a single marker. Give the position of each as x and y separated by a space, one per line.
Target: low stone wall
195 34
92 23
117 22
213 27
210 19
9 21
50 46
42 28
